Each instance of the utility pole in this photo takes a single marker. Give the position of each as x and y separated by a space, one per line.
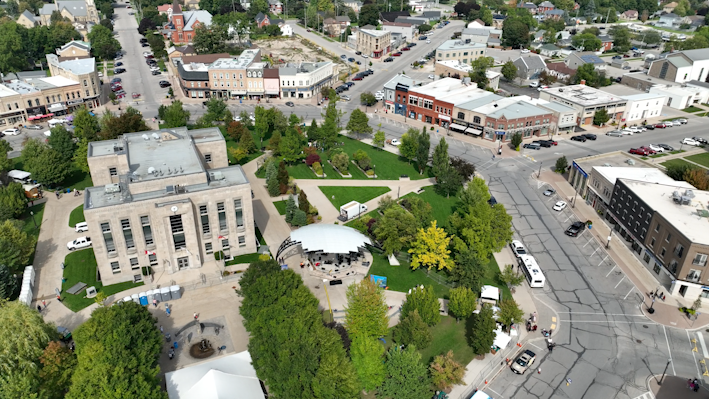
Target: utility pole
608 15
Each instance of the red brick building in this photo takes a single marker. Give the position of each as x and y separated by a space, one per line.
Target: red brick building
181 26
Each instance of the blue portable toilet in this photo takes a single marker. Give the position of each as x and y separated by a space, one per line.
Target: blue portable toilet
143 298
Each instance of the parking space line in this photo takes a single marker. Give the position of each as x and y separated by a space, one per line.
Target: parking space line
621 280
565 220
594 252
589 241
702 343
626 295
603 260
609 273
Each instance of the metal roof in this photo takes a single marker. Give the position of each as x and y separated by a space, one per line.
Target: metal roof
330 238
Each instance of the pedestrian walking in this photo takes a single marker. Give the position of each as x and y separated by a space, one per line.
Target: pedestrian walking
39 308
168 311
539 370
689 383
493 157
155 303
195 316
691 387
44 304
161 330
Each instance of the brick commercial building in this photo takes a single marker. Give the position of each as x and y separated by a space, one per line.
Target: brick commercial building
166 199
374 43
587 102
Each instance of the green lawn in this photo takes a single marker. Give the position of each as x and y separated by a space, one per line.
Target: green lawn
448 335
442 207
81 266
246 258
231 144
339 196
677 162
692 108
76 179
281 206
388 166
76 216
259 236
402 278
702 159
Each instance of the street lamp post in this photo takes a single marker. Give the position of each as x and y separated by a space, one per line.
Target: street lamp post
651 309
324 283
664 372
35 222
540 167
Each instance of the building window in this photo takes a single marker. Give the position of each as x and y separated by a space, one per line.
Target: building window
657 228
476 119
208 248
662 253
178 233
127 234
153 260
113 171
225 243
147 231
656 268
646 258
134 264
239 213
679 250
204 218
208 158
461 116
242 241
85 84
183 263
108 237
693 274
29 103
36 101
700 260
115 267
221 211
668 238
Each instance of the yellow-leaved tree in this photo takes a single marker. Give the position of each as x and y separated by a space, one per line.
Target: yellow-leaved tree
430 249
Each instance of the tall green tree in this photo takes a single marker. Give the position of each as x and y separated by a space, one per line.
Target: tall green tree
16 246
406 376
291 147
440 158
469 271
103 44
246 141
62 142
358 124
409 144
430 249
86 126
601 117
449 180
379 139
479 72
80 158
509 70
510 313
211 40
422 150
25 336
586 42
157 45
216 109
175 115
282 176
13 202
369 15
366 313
45 164
272 179
395 229
8 283
462 302
129 121
515 34
58 363
12 57
127 361
481 330
621 38
446 372
420 209
291 207
313 131
411 330
5 162
368 360
423 300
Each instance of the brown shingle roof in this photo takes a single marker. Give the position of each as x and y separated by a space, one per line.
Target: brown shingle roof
561 68
270 73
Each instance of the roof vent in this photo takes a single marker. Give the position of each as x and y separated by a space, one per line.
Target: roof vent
146 137
112 188
216 176
688 193
631 162
152 170
170 190
676 197
156 136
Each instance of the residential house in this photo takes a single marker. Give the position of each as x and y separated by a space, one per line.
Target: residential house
643 106
682 66
74 50
545 6
344 21
529 66
529 6
477 24
307 79
355 5
549 50
460 50
262 20
286 30
695 21
630 15
28 20
475 35
175 53
575 60
165 9
416 21
554 15
498 20
670 20
332 27
669 7
560 70
373 43
407 31
166 199
538 36
182 25
431 15
275 7
82 12
392 15
606 43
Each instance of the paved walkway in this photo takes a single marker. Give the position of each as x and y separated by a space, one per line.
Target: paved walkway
328 211
674 388
666 312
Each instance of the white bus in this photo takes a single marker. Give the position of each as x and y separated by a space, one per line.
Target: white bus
532 271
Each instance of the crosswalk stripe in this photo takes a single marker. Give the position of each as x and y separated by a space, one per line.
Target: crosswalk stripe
646 395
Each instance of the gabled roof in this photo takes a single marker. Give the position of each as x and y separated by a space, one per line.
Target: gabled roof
29 16
533 61
670 15
679 61
546 4
75 8
431 14
554 12
76 43
561 68
699 54
631 13
342 18
201 16
550 47
393 15
260 17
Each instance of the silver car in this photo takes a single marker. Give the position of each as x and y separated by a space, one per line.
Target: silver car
615 133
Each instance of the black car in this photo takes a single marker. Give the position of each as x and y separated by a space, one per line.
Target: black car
143 40
581 138
589 136
543 143
350 59
701 140
164 84
290 104
532 146
666 147
144 45
412 44
389 59
358 52
118 70
649 127
575 229
156 72
423 37
118 63
350 84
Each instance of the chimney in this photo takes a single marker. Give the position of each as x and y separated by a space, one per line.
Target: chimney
583 82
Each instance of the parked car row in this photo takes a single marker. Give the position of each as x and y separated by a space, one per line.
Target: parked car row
537 144
583 137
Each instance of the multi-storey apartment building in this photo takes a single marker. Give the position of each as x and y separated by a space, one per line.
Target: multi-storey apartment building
307 79
166 199
459 50
373 43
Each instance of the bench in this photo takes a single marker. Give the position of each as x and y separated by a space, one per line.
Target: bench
76 288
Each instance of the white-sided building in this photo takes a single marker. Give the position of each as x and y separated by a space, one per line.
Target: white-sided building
307 79
682 66
458 50
643 106
407 31
678 97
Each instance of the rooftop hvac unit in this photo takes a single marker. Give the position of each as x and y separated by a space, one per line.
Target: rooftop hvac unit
170 190
112 188
676 197
145 137
631 162
156 136
216 176
688 193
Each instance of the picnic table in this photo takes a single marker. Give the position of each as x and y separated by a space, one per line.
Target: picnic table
76 288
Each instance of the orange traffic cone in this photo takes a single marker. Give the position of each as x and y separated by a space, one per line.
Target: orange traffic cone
485 382
539 370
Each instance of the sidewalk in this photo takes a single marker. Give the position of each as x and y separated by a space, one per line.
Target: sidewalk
675 388
666 312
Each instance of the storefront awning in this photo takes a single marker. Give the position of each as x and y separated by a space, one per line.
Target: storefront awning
57 107
472 131
457 127
255 93
276 92
238 92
